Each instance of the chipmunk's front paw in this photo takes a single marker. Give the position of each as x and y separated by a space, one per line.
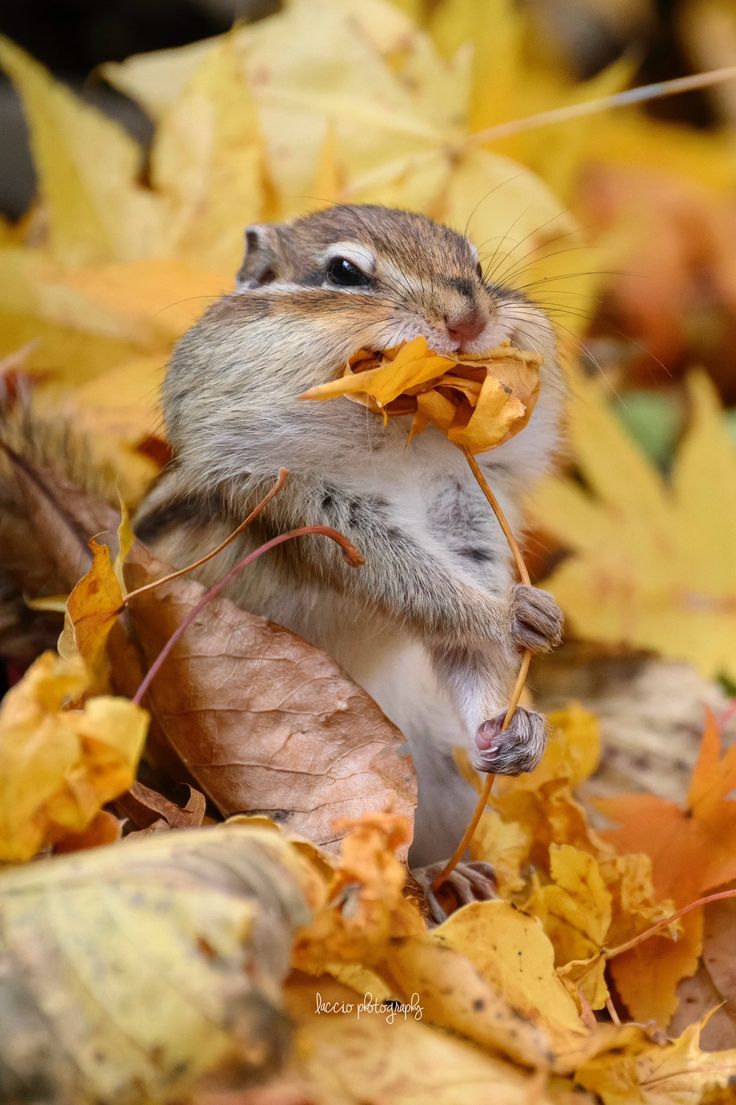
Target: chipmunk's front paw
469 882
536 619
513 750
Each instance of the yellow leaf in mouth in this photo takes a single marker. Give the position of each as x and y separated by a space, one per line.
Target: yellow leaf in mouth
478 401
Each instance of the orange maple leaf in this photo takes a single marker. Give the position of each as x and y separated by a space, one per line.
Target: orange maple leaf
693 850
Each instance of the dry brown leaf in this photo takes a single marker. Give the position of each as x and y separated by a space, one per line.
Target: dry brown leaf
144 807
284 733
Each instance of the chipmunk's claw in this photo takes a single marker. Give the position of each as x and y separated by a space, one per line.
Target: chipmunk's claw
469 882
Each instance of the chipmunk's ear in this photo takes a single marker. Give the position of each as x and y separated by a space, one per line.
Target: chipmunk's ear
264 259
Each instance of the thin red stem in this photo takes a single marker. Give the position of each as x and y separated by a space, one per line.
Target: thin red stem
283 473
351 555
636 940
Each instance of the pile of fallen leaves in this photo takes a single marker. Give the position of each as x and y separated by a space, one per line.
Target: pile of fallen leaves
289 945
254 949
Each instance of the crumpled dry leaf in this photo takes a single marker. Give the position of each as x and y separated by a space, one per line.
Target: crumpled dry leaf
479 402
652 566
59 765
364 908
145 807
132 970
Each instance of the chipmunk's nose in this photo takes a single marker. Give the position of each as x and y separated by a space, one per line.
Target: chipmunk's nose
467 326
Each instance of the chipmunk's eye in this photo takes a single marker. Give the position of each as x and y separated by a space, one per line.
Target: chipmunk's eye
345 274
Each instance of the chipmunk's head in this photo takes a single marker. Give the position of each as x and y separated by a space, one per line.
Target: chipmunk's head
309 294
386 277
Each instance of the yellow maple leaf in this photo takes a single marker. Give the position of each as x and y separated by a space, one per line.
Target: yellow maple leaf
88 169
512 950
207 160
576 911
59 765
653 565
676 1073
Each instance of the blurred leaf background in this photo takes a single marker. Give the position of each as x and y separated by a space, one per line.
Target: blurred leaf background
622 224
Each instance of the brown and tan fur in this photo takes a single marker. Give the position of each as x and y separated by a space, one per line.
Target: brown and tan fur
433 623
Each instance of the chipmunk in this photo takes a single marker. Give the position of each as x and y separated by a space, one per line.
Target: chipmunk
433 624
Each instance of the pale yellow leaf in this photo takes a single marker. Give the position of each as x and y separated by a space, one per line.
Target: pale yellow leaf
510 949
676 1073
207 161
132 969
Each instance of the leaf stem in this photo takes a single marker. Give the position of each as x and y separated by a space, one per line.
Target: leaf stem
610 953
642 94
351 554
520 678
502 519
